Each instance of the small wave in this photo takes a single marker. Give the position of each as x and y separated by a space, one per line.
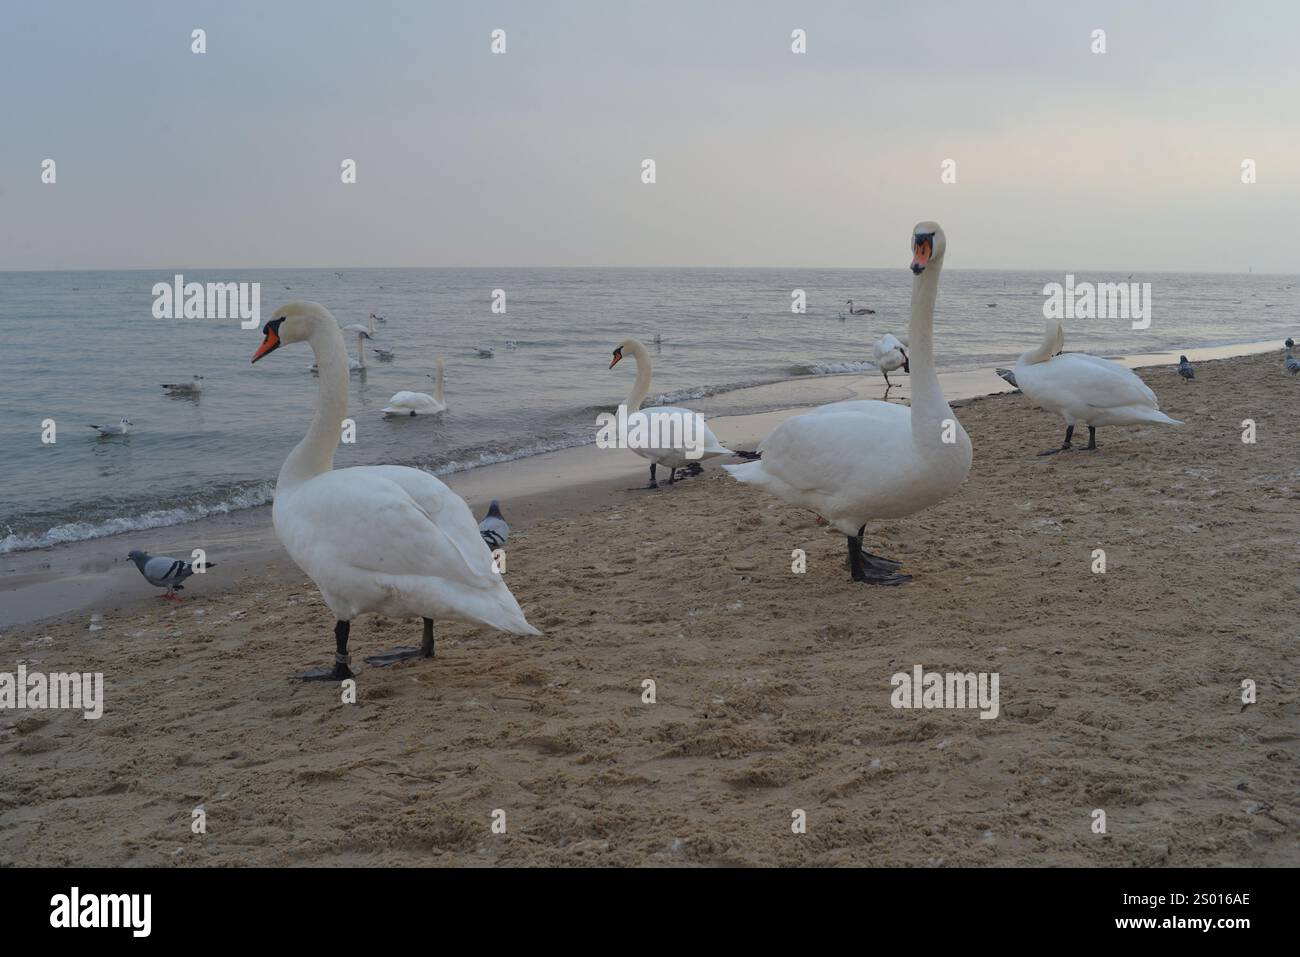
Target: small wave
158 518
834 368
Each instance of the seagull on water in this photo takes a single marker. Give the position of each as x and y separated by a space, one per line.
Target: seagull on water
191 388
106 431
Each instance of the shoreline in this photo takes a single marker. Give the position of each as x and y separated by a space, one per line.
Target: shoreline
91 576
1121 691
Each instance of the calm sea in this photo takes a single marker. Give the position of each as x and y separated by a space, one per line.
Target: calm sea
83 347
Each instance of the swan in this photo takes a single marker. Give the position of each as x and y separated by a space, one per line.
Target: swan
354 365
864 311
419 403
856 461
1084 389
890 353
380 538
673 458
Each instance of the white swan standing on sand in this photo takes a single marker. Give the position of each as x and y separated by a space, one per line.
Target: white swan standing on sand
852 462
1084 389
419 403
672 458
381 538
890 353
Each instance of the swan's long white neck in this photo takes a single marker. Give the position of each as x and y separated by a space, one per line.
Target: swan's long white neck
641 387
314 455
928 404
1053 340
361 350
437 380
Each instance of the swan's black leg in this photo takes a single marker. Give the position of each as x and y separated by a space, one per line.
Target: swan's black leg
340 671
888 384
1092 438
872 569
1065 446
907 364
672 476
653 483
406 653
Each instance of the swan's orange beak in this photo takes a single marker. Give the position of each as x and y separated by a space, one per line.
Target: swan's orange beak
922 247
618 354
269 344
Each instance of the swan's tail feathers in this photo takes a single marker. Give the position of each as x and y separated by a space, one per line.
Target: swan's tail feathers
1144 413
747 456
747 472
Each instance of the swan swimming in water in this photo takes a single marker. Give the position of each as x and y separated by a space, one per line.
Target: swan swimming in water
419 403
856 461
864 311
1084 389
674 458
380 538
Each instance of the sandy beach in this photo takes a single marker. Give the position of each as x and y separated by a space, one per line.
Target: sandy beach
1118 691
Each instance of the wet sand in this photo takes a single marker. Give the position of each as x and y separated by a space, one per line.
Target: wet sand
1119 691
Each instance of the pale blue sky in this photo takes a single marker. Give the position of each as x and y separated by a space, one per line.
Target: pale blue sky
1065 159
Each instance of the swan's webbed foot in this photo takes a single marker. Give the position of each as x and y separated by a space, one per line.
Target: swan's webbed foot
339 672
747 456
1065 446
695 468
384 659
873 569
653 484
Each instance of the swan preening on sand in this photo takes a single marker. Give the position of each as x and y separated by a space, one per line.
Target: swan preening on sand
890 353
674 457
419 403
381 538
852 462
1084 389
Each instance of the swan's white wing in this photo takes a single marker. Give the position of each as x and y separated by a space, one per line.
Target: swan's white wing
1076 380
389 538
831 449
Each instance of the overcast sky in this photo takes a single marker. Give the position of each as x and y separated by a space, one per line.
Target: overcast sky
1065 159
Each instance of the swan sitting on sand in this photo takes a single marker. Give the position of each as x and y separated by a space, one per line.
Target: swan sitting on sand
852 462
380 538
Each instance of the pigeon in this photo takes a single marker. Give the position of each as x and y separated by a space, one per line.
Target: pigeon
1008 375
1290 343
493 528
1292 365
184 388
1185 368
164 571
107 430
